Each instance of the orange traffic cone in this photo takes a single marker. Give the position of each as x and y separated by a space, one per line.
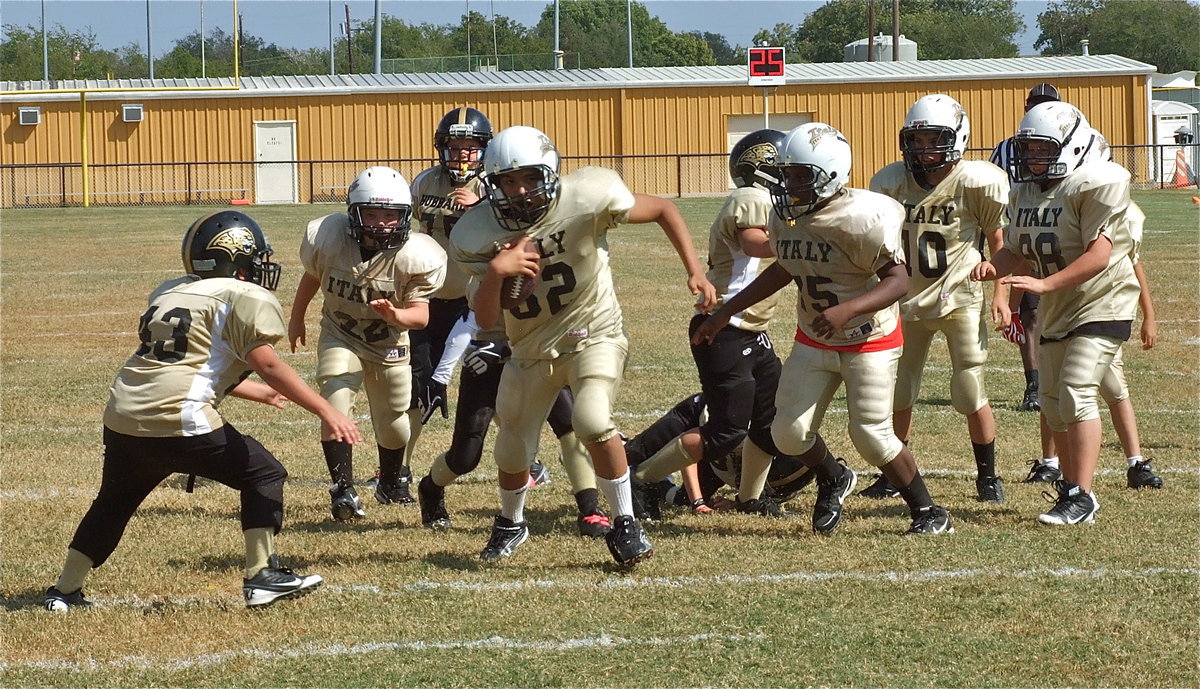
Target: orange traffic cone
1184 177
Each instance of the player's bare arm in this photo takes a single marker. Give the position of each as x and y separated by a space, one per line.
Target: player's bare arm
1093 260
1149 329
1003 262
892 287
648 208
259 392
305 291
334 424
755 242
1001 307
413 316
770 281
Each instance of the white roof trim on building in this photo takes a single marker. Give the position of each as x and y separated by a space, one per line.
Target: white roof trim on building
1047 68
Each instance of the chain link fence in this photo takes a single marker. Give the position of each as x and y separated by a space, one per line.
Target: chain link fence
325 181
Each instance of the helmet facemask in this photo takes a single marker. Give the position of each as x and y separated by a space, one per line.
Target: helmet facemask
263 271
1052 135
380 236
461 170
802 188
914 152
517 212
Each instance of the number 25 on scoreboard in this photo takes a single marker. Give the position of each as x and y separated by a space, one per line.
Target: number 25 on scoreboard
766 66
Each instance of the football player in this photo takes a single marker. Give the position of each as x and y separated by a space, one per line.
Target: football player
376 281
568 331
441 194
739 369
951 207
1069 231
1022 327
842 248
201 336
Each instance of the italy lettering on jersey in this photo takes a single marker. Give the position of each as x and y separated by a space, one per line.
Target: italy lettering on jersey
729 268
943 232
196 335
1053 228
412 273
574 303
436 212
833 255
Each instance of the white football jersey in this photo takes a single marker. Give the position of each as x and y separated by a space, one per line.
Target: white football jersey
944 232
833 255
412 273
196 335
729 268
1053 228
436 213
574 303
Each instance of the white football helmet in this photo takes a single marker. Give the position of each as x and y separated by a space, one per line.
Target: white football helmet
379 187
521 148
825 154
1057 123
942 115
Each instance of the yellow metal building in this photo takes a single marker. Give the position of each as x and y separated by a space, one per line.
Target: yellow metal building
660 122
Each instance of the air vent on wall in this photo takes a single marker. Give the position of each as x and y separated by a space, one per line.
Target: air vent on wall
131 112
30 116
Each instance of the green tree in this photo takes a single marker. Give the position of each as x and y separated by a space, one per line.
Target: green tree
723 53
73 54
1162 33
597 31
1064 24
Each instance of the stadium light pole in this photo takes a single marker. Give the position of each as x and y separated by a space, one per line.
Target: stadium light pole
45 47
629 28
149 45
332 70
378 39
203 65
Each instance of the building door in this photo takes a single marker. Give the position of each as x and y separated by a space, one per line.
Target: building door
275 174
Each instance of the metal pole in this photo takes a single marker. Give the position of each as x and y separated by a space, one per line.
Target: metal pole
557 53
766 109
629 28
467 20
203 66
349 41
149 41
378 39
83 145
45 47
870 30
332 69
895 30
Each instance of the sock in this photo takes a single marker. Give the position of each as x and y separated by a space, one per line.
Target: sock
440 473
588 500
74 571
339 457
915 494
391 464
512 504
985 458
617 493
756 463
1134 460
821 461
1031 379
671 458
577 462
260 544
1050 461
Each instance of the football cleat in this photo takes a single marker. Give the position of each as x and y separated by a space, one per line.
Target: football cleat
627 543
57 601
989 489
395 492
506 536
277 583
1040 472
827 510
1030 402
374 480
763 507
1140 475
880 489
647 500
539 475
432 499
930 521
594 524
344 503
1072 505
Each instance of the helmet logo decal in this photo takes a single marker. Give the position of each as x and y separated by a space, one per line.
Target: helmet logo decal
547 147
234 241
817 133
759 154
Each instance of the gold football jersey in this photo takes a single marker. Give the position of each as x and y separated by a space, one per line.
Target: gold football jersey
412 273
195 335
574 302
944 232
436 212
833 255
729 268
1052 228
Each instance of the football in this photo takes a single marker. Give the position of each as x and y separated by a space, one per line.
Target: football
516 288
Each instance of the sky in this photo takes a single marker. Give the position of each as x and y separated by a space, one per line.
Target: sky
305 23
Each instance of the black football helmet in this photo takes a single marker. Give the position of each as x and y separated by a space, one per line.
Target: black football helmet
229 244
754 160
461 123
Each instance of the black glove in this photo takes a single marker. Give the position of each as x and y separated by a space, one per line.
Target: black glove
482 355
433 397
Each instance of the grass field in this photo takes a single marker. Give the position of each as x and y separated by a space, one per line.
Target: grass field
731 601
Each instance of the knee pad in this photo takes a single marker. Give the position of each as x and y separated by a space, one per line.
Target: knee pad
966 389
790 437
877 443
1078 403
1113 388
592 416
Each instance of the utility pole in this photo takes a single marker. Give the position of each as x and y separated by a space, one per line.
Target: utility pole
629 28
870 30
895 30
45 47
149 41
332 68
203 69
378 39
349 41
